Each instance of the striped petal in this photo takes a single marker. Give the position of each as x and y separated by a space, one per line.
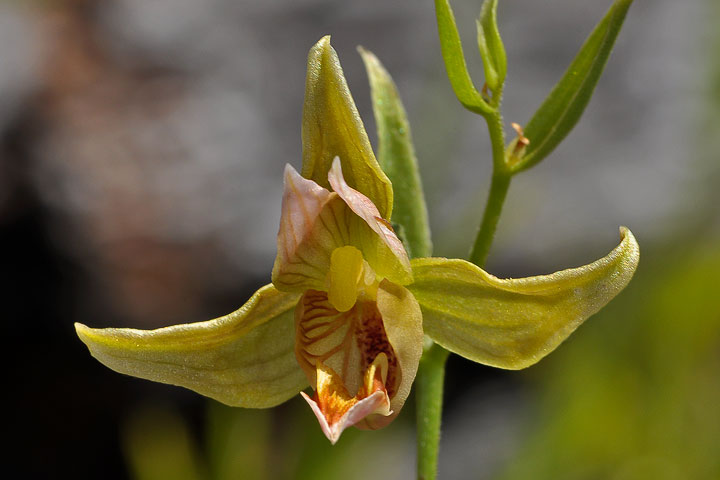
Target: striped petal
312 225
350 356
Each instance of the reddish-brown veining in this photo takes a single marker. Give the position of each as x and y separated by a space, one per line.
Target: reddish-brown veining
372 340
364 327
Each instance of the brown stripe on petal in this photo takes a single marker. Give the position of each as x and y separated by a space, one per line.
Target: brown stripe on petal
346 342
372 340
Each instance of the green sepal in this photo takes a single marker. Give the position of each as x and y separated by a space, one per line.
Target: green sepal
244 359
331 127
514 323
454 57
491 46
562 109
397 158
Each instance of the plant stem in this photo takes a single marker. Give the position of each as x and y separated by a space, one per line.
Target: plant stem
429 391
431 372
498 191
493 208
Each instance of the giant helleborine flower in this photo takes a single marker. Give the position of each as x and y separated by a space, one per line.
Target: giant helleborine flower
347 309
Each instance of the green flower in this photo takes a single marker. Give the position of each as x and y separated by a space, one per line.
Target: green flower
347 310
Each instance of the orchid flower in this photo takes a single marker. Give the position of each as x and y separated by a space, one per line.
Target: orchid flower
348 311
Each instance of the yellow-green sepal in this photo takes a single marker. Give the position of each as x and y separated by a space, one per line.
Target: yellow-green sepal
244 359
331 127
514 323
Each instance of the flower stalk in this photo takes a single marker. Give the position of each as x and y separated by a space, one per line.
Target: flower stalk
429 385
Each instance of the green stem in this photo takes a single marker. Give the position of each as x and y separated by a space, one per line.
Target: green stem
496 197
429 391
498 191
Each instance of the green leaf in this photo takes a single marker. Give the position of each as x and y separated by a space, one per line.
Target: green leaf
562 109
244 359
331 127
397 158
491 46
454 57
514 323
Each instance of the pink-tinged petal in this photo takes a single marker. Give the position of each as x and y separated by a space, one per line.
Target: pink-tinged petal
364 208
302 202
314 223
299 266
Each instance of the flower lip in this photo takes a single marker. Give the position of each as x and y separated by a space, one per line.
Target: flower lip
355 414
337 410
345 343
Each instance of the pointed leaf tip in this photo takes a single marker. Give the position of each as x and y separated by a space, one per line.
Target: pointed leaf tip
565 104
492 50
454 58
513 323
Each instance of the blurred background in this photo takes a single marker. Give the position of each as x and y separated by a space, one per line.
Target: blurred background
141 150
